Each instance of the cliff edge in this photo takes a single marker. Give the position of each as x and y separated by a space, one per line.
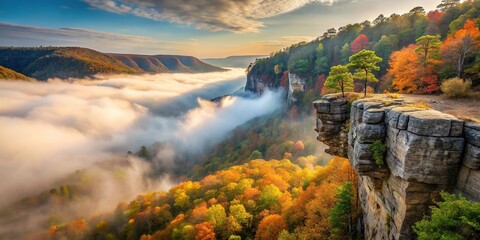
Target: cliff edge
427 152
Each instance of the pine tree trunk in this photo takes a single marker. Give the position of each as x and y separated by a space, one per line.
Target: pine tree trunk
366 80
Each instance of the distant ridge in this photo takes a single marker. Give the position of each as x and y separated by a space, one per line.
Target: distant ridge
9 74
233 61
165 63
43 63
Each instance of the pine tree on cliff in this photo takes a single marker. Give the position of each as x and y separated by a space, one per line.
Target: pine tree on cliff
340 79
364 63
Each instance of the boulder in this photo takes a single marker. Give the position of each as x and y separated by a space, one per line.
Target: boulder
472 157
322 106
430 123
369 133
473 136
373 115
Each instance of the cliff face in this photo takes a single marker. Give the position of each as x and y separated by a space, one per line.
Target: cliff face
259 83
426 152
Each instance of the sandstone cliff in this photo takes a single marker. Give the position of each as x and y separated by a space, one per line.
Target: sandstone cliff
426 152
259 83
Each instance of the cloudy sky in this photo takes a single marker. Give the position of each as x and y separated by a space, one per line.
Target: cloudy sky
203 28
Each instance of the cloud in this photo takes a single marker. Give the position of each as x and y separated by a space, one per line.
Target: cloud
21 35
51 130
215 15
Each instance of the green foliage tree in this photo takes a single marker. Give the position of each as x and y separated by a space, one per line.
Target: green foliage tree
345 53
446 4
269 195
321 64
217 216
453 218
143 153
255 155
285 235
300 66
365 62
339 79
341 214
428 49
240 214
384 48
378 149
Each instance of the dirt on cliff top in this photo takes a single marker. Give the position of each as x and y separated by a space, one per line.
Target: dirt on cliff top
463 108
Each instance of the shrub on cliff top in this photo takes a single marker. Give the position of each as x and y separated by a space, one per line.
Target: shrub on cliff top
454 218
456 87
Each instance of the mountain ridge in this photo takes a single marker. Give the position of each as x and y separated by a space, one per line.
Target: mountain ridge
240 61
43 63
165 63
9 74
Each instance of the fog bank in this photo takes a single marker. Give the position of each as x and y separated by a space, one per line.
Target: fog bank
50 130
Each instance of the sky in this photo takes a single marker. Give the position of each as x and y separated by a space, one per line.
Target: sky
201 28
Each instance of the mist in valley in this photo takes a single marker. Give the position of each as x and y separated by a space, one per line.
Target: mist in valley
80 131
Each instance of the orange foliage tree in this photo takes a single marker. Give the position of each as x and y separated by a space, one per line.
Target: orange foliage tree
413 68
460 45
404 70
270 227
205 231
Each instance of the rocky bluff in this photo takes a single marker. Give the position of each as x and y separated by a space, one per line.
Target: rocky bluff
426 152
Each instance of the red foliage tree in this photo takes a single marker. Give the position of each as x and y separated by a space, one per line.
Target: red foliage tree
360 43
434 16
284 79
320 83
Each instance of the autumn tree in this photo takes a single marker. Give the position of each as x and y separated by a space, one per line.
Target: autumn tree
240 214
270 227
365 62
299 146
360 43
205 231
404 70
217 216
268 196
461 44
428 51
278 69
340 79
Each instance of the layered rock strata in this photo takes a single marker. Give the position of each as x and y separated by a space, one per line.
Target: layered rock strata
426 152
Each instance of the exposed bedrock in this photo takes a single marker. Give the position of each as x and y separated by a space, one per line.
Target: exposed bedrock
427 152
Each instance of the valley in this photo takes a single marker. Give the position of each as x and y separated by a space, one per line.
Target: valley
111 129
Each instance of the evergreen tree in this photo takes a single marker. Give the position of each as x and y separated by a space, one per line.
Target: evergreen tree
365 62
340 79
341 214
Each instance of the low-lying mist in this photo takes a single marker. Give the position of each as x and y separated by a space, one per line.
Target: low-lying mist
51 130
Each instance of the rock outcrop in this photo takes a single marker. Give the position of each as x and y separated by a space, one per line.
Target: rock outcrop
426 152
259 83
295 84
332 125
